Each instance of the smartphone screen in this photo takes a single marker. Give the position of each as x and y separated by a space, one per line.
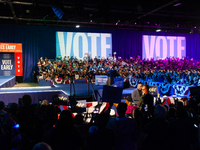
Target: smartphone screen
58 116
96 111
146 107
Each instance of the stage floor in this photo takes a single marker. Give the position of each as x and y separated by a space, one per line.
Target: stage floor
19 85
13 94
7 81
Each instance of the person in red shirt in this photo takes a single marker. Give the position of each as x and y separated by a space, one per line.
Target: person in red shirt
130 106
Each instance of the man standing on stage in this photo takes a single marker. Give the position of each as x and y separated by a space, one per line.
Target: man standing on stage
146 101
137 93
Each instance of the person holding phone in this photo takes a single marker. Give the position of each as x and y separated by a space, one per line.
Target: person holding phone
146 99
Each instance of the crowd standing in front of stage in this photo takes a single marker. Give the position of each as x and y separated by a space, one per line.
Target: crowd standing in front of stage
170 70
163 127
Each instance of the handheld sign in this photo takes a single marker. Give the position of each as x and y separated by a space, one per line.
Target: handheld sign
153 90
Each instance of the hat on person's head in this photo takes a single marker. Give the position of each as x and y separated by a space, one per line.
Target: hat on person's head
128 98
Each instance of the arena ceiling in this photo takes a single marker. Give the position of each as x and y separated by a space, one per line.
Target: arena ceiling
149 15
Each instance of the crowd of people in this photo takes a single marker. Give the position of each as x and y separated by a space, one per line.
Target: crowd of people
37 127
170 70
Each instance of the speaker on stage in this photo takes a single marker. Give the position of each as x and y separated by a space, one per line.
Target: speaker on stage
111 75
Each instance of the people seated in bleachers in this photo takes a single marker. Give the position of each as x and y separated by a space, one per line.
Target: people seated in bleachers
170 70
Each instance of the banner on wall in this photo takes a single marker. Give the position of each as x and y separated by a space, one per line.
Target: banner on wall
11 59
163 46
7 63
77 44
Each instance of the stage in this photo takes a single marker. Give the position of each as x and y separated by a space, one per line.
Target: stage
10 94
7 81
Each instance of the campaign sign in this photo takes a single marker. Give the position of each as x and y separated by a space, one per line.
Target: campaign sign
119 82
7 64
163 46
63 97
153 90
77 44
101 80
16 50
113 94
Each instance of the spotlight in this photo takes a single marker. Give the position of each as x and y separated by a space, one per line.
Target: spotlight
117 22
158 30
77 26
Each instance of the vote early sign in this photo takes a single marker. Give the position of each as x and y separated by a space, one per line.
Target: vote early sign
11 59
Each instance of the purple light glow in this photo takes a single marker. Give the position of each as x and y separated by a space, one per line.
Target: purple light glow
177 4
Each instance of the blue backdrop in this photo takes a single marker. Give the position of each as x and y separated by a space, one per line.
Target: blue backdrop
40 41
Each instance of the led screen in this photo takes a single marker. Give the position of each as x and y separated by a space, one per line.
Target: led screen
163 46
79 44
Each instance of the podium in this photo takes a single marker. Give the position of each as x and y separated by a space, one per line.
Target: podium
111 75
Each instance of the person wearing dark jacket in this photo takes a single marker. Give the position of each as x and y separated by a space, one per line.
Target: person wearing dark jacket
146 99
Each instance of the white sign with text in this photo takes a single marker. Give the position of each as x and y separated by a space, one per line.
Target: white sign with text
76 44
163 46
